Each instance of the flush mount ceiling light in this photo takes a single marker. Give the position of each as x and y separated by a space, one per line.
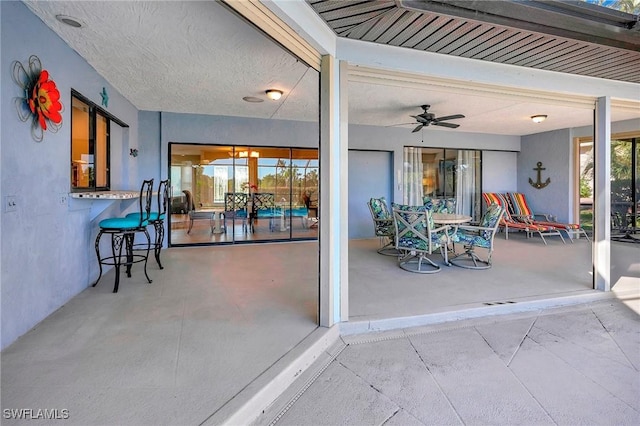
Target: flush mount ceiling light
69 20
274 94
252 99
538 118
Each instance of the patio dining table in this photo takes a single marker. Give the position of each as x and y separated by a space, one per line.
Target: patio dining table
450 218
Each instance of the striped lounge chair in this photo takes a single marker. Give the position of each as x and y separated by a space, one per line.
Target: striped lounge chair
521 210
509 223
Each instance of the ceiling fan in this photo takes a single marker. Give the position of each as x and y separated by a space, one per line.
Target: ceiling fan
429 119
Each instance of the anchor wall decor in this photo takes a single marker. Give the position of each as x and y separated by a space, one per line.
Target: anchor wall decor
539 184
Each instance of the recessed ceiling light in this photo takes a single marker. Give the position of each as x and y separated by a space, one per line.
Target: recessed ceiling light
274 94
252 99
538 118
69 20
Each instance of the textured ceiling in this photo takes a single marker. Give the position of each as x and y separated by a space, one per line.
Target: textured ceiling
198 57
185 56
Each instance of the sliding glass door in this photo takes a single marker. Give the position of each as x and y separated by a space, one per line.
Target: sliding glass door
453 174
229 194
625 187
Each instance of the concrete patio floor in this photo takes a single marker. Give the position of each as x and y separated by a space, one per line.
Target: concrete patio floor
219 326
562 366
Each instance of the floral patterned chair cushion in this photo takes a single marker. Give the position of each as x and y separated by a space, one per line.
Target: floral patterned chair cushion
440 205
382 219
417 237
417 233
478 236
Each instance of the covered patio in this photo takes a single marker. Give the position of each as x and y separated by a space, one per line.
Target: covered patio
213 336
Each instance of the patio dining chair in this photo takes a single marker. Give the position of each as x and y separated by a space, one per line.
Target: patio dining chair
417 238
440 205
477 236
523 212
508 222
235 209
383 226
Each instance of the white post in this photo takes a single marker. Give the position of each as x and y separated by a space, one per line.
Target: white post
333 194
602 196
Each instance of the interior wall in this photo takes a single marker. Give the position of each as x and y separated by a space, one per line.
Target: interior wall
499 164
47 254
370 176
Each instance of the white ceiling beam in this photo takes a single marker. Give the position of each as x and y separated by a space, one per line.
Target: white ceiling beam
394 64
262 17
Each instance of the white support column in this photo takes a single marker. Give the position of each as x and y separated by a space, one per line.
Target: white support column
343 182
602 196
333 193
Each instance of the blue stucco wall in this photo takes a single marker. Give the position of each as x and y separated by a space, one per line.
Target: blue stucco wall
554 150
47 253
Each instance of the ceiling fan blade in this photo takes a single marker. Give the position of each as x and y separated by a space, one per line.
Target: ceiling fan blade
450 125
420 118
418 128
400 124
450 117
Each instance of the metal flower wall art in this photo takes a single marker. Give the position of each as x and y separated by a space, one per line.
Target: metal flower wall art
40 102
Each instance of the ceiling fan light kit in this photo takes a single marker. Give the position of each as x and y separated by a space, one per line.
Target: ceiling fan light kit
429 119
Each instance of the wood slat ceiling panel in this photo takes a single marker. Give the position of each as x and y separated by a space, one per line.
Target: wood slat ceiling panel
524 45
438 35
426 31
505 47
459 37
324 6
579 61
631 73
407 20
489 42
353 9
610 64
574 55
550 54
388 20
382 21
351 22
548 44
489 33
361 30
412 29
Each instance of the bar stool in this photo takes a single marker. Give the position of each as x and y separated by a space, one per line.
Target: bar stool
122 231
156 218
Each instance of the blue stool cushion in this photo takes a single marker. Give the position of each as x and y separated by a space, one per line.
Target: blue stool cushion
153 216
121 223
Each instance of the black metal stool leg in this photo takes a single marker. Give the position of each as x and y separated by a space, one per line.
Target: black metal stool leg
147 256
98 255
159 226
129 246
116 245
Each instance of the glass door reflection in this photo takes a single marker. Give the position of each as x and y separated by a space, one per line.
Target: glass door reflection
231 194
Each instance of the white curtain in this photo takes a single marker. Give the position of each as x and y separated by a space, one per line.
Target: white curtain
465 182
413 171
